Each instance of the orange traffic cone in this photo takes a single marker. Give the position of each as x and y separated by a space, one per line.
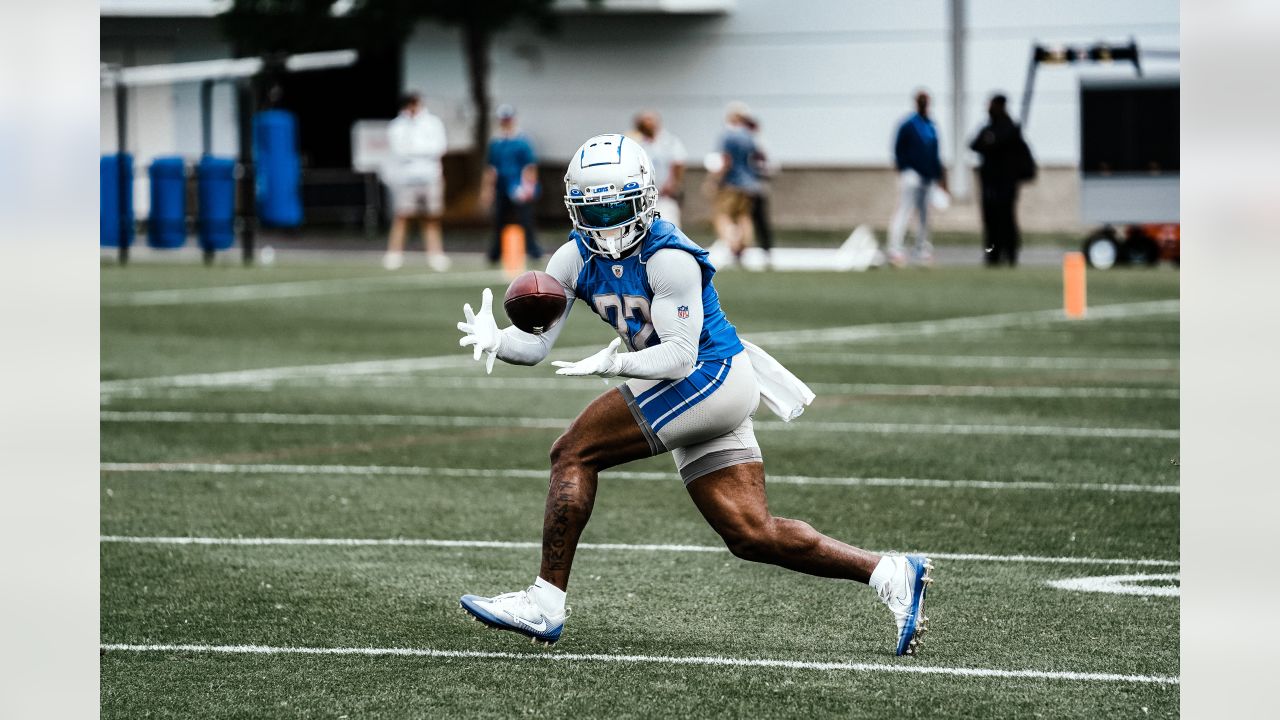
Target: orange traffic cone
513 251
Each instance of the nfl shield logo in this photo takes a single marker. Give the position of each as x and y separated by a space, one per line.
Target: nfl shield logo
617 271
682 312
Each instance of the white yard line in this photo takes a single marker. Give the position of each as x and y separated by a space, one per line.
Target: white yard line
624 547
992 362
852 333
996 391
963 429
858 333
367 471
294 289
714 661
245 418
471 382
175 416
265 377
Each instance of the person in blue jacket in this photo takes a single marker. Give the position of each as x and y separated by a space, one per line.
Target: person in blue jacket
919 166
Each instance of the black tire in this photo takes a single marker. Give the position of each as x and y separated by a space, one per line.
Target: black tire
1102 251
1142 250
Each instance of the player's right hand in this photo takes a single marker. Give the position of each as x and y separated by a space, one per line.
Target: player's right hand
481 330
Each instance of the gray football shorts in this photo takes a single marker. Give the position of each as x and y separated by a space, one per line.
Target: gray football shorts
703 419
418 198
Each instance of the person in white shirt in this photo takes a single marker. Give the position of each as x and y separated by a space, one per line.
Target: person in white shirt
417 142
668 156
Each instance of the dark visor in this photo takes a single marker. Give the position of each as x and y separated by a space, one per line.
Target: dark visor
607 214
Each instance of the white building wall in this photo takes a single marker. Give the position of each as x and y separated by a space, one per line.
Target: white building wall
829 79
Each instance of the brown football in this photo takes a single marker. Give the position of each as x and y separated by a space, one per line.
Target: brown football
534 302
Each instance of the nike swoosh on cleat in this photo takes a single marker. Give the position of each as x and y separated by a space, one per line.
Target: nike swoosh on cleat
540 627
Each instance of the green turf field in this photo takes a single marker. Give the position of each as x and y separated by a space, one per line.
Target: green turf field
348 473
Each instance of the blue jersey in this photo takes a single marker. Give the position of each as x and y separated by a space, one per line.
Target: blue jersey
611 287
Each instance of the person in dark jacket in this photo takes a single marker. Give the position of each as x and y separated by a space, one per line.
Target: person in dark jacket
1006 162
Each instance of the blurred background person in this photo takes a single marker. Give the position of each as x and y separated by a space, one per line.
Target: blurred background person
668 156
416 140
919 165
1006 162
511 183
765 169
736 181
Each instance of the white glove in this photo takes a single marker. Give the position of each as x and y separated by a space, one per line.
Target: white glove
604 363
481 331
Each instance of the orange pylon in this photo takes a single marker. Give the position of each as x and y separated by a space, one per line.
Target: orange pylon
1073 285
513 251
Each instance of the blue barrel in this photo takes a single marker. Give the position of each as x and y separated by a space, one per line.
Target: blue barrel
167 225
216 192
109 199
275 139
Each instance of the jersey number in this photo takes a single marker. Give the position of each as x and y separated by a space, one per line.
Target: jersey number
617 309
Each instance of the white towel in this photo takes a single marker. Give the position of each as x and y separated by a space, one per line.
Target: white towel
784 393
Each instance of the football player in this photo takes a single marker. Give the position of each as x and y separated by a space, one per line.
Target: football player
693 388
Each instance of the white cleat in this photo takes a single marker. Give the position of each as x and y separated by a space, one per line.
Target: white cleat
904 595
393 261
439 262
517 612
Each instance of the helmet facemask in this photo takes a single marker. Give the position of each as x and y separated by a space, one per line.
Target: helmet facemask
613 224
610 194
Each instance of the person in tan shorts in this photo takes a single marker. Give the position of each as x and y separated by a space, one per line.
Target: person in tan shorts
736 181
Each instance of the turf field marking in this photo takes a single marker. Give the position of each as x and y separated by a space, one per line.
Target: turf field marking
856 333
1121 585
418 471
292 289
243 418
266 377
851 333
655 660
997 362
182 416
997 391
625 547
468 382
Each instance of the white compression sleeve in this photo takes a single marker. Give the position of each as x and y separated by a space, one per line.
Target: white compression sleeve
676 280
521 348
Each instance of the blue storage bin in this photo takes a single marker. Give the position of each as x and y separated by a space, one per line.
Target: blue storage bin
109 199
279 171
216 192
167 224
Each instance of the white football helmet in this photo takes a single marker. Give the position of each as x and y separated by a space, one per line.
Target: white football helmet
610 194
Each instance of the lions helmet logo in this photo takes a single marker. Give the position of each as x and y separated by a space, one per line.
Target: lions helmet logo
617 271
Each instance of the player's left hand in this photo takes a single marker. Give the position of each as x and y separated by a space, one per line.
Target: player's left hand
604 363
